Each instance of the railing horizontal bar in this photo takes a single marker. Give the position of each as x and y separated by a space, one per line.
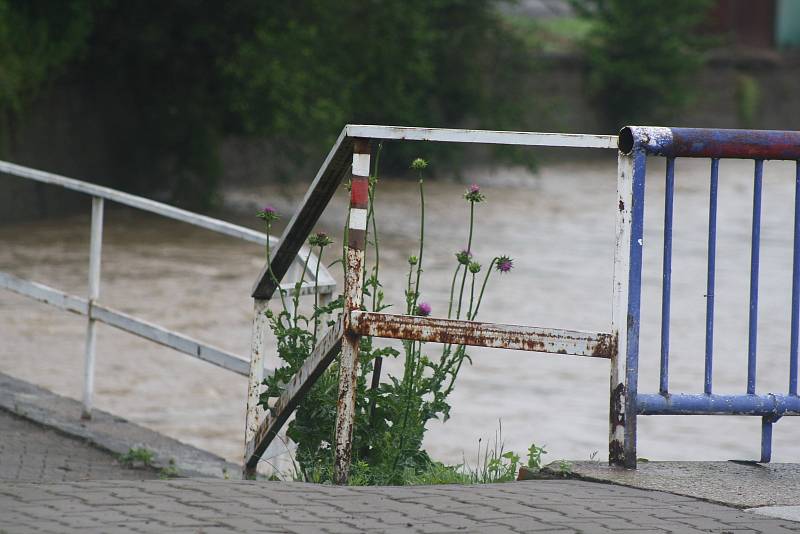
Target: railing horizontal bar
308 288
123 321
504 336
315 364
302 223
171 339
165 210
686 404
134 201
482 136
711 142
43 293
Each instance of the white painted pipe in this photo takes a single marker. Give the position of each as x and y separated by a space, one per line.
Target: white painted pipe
95 253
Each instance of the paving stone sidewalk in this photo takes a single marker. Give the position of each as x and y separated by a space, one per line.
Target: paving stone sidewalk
207 505
107 432
33 453
53 482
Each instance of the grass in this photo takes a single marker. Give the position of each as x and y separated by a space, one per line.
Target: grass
494 464
141 457
137 457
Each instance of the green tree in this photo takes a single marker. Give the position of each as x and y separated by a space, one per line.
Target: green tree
642 55
184 74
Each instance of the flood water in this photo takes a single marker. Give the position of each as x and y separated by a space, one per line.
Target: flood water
557 225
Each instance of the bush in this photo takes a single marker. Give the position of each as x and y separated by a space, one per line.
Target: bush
185 74
641 56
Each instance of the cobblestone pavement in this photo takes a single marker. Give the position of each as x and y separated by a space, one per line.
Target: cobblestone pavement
207 505
32 453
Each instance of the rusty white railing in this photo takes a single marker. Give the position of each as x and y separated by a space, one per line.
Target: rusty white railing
351 155
95 311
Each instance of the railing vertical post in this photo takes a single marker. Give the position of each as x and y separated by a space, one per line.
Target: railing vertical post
666 287
95 253
766 438
755 246
711 276
353 280
256 377
794 336
625 308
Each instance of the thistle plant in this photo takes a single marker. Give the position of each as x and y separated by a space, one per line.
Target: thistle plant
392 413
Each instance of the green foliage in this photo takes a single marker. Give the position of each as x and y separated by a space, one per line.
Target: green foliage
535 457
641 55
184 74
37 41
494 464
564 468
171 471
390 415
137 457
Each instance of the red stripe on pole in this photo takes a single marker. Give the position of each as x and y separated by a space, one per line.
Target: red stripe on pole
359 192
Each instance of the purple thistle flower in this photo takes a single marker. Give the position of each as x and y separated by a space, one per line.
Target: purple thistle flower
473 194
423 309
504 264
268 213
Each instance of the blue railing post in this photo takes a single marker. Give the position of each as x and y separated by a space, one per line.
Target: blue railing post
711 277
793 340
666 286
635 143
752 339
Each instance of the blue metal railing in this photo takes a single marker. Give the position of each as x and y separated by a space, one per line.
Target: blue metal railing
636 143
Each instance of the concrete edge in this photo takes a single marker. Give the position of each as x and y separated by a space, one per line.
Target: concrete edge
110 432
717 482
791 513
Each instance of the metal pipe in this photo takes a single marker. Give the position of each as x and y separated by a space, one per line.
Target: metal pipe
448 135
626 303
666 285
766 438
503 336
710 143
255 413
353 286
752 341
95 253
711 277
793 345
126 323
701 404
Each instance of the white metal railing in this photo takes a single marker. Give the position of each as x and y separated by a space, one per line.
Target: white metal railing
158 334
350 155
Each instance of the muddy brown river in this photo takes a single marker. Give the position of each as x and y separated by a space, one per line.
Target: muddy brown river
557 225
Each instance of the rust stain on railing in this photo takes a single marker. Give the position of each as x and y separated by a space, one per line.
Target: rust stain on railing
493 335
